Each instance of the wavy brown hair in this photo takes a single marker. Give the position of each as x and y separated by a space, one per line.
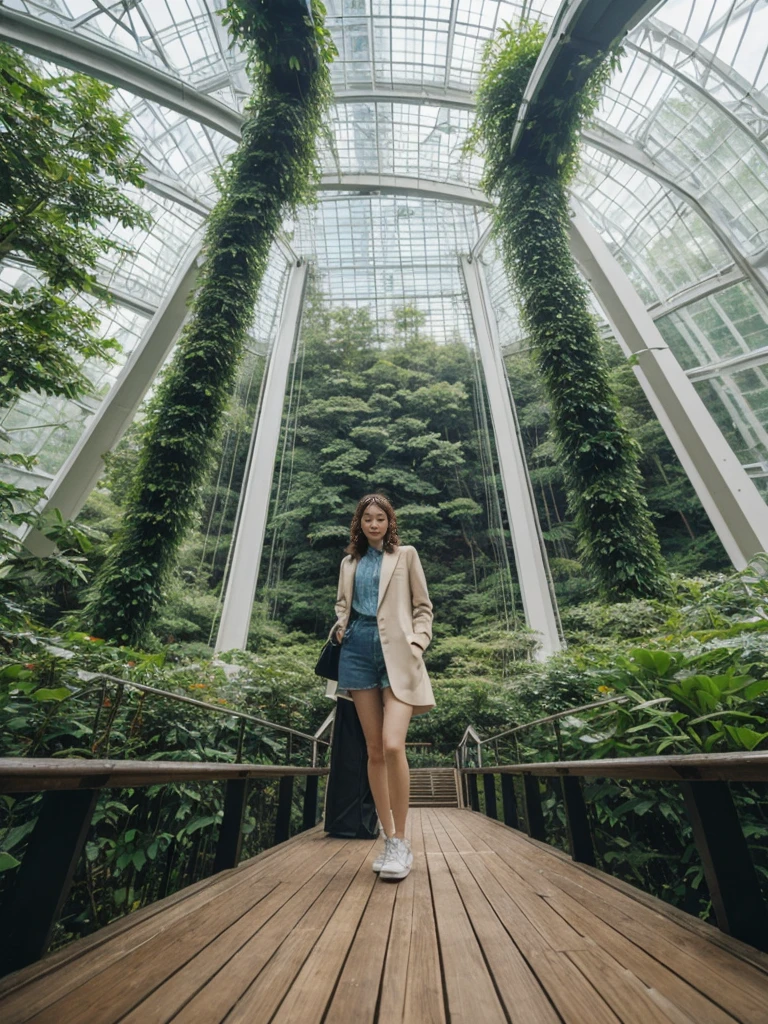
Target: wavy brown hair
358 542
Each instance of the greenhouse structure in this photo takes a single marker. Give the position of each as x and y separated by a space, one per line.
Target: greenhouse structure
506 263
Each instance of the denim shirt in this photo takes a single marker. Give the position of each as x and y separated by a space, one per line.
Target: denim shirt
365 598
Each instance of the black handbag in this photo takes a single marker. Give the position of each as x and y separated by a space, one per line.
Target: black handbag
328 662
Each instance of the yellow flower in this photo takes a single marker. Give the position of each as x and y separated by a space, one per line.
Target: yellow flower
605 689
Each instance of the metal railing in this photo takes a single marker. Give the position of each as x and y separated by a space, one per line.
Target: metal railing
242 716
70 789
470 733
703 779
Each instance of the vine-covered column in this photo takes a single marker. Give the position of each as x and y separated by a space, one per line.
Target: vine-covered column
618 542
273 168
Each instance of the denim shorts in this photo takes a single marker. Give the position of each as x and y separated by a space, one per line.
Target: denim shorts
361 660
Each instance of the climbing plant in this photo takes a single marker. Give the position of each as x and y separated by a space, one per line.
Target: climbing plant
288 50
617 540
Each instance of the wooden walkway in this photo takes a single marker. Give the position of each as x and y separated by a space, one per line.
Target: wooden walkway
489 927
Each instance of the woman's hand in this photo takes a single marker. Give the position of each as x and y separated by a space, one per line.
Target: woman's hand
339 634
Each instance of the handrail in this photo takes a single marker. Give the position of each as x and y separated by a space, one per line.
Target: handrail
36 774
470 730
749 766
732 880
182 697
71 788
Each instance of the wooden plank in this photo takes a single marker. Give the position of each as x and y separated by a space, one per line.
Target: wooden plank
275 947
655 976
395 972
313 986
574 998
162 1005
627 996
115 990
737 987
648 970
357 992
470 992
557 933
34 996
734 992
521 993
64 970
712 935
542 937
424 999
261 999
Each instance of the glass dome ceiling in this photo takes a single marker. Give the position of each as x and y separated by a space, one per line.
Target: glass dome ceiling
674 175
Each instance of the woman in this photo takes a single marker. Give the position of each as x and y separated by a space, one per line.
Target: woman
384 622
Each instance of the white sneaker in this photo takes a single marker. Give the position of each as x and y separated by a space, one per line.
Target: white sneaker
400 859
385 855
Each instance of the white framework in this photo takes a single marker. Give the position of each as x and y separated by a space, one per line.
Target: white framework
679 150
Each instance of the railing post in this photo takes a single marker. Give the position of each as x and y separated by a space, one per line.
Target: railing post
474 800
42 885
577 821
734 887
240 741
231 831
310 803
489 787
285 798
508 800
534 816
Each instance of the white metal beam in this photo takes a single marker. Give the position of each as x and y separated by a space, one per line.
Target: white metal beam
422 95
401 184
745 361
532 574
582 28
109 64
80 473
731 500
255 496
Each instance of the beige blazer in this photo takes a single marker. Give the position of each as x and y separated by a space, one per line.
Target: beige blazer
405 624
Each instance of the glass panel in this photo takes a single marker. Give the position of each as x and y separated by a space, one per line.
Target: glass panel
720 326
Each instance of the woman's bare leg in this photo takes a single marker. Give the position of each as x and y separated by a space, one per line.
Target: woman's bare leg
397 717
371 714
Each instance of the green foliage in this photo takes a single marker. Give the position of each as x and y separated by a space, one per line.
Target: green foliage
617 541
65 160
400 417
685 690
148 841
688 541
273 167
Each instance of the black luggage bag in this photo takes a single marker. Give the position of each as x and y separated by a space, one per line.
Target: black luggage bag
350 812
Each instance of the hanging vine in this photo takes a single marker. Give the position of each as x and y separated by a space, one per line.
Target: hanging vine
273 168
618 542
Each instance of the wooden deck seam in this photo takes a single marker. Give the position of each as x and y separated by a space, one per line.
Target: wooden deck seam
428 879
641 950
698 928
617 966
635 923
350 950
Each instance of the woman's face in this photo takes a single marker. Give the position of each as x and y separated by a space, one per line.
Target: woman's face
374 524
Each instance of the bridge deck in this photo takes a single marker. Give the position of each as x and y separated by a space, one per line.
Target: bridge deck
489 927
